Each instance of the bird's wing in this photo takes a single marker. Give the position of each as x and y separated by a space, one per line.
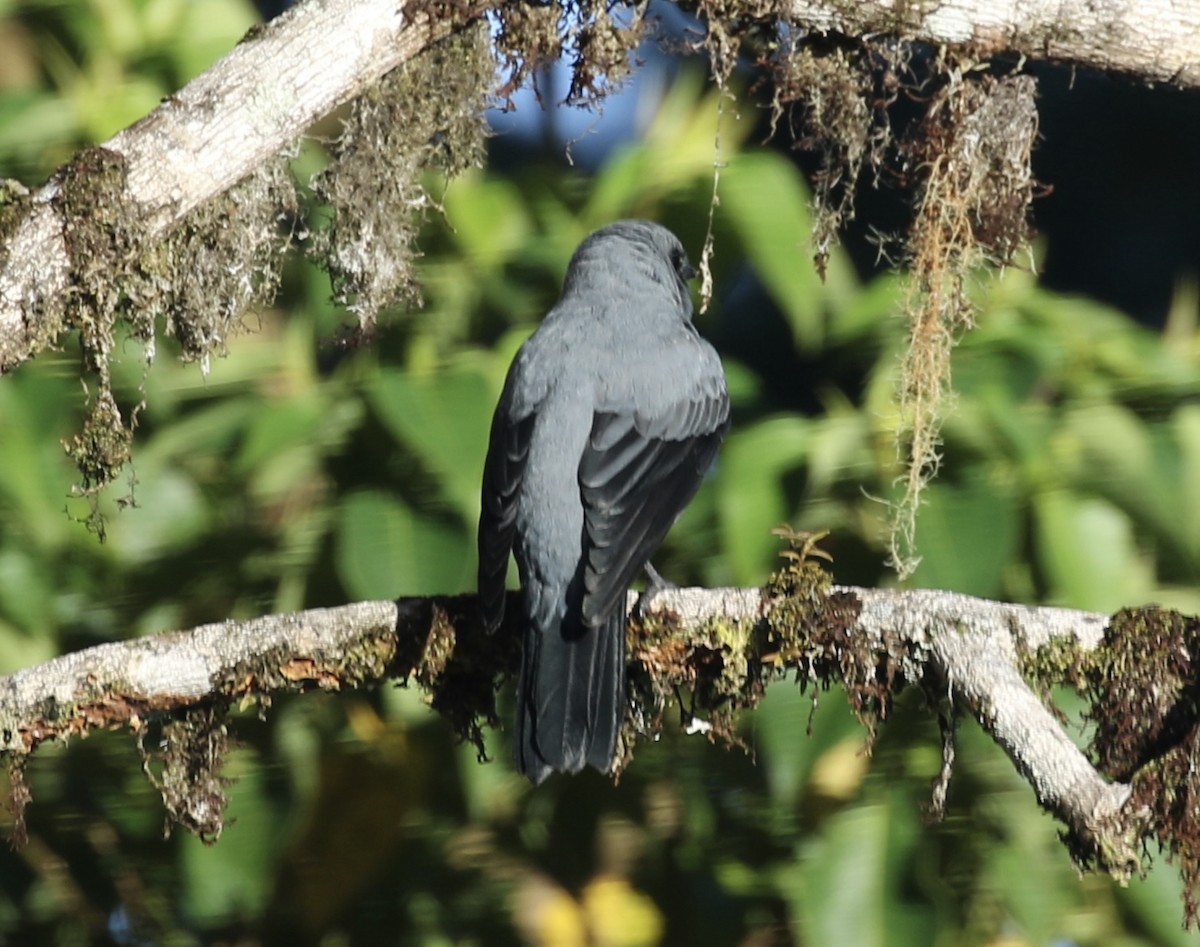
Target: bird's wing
637 474
503 470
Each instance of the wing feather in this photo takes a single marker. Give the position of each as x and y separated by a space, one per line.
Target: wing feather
636 476
503 472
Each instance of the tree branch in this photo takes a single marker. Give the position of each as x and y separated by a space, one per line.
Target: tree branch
975 647
961 649
221 126
1155 40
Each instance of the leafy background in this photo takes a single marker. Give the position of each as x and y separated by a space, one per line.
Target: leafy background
297 474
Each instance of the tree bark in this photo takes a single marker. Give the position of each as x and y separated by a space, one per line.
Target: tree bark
1154 40
971 646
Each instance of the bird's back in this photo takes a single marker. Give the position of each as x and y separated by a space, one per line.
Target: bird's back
611 415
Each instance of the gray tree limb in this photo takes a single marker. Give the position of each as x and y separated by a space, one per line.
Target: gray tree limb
208 136
970 647
1155 40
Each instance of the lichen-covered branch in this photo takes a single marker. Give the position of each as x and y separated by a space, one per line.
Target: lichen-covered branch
979 651
201 141
1156 40
723 645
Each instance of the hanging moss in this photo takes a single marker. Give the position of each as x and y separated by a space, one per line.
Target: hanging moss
426 114
197 282
223 261
186 770
1144 695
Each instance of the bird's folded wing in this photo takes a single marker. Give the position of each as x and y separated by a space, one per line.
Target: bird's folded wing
637 474
508 451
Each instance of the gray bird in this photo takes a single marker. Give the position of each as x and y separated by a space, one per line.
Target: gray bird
612 412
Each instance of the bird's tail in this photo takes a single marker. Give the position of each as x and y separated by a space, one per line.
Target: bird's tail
571 691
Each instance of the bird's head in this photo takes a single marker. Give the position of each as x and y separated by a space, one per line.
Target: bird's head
636 257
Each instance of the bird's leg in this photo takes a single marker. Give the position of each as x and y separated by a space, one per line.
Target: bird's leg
686 714
688 721
655 583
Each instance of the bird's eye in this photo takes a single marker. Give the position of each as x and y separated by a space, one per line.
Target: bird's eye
681 265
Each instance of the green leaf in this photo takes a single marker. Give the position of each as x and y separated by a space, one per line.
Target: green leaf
858 314
1086 549
26 592
764 200
1186 426
35 476
839 450
1122 459
385 550
19 649
751 500
170 513
845 879
489 218
780 727
205 31
676 154
203 434
277 426
233 879
1156 903
444 419
978 517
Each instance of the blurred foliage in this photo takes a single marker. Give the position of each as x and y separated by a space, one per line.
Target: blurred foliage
299 474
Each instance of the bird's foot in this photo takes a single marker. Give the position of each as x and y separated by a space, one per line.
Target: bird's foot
688 721
655 583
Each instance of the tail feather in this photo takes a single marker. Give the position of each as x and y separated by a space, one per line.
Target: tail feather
571 698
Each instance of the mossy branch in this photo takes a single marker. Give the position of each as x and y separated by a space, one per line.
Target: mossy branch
1154 41
200 142
983 658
